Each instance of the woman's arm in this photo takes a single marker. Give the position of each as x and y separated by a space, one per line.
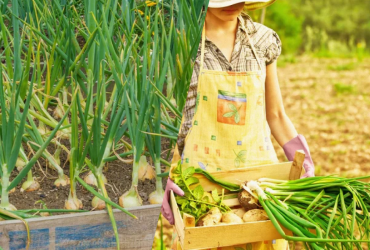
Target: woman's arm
281 126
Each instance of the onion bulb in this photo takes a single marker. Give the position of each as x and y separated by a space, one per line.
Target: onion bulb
11 207
44 214
130 199
43 129
156 197
30 186
62 181
98 203
58 112
72 204
91 180
146 171
20 163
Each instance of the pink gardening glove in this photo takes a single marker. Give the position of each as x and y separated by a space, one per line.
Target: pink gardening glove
299 143
166 207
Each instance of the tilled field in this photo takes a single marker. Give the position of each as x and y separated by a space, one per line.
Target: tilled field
328 101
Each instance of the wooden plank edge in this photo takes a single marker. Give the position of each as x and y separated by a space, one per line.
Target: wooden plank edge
81 214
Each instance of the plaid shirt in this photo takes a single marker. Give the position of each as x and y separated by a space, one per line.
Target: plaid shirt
268 48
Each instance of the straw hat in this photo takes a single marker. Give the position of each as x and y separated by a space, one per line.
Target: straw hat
249 4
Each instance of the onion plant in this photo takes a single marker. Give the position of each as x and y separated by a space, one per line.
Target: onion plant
35 139
13 122
139 96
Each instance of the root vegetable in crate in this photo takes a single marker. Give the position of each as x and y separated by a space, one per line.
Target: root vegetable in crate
248 201
230 217
255 215
212 218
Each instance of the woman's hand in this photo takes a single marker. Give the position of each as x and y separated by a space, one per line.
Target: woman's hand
300 143
281 126
166 208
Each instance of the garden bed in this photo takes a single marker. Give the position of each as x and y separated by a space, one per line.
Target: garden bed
118 174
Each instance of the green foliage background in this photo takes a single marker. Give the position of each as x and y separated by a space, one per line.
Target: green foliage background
322 27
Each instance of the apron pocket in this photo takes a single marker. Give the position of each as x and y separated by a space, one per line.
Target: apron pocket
231 107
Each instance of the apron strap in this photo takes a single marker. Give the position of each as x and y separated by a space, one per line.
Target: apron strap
251 42
203 46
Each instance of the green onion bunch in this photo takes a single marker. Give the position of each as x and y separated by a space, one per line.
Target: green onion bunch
322 212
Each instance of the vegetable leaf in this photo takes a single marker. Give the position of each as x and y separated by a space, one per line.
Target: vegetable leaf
188 172
215 196
198 192
192 181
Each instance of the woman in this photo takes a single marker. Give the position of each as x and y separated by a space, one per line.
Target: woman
234 101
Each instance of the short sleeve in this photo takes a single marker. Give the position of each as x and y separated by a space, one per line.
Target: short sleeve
273 48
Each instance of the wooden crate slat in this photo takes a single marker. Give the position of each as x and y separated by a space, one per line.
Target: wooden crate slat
218 236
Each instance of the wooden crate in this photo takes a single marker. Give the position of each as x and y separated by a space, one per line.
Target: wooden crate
192 237
90 230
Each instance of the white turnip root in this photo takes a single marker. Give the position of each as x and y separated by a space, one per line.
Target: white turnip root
255 215
239 212
212 218
231 218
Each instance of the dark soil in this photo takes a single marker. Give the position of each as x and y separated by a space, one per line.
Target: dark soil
118 174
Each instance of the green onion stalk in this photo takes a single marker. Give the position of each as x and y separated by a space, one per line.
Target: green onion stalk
79 149
90 141
34 139
161 49
154 146
322 212
30 184
149 67
138 100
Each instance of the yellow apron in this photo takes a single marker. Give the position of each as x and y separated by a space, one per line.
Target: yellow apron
229 128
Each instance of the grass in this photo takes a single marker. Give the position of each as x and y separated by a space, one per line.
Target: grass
343 89
343 67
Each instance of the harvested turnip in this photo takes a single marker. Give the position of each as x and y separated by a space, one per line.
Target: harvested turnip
212 218
247 201
255 215
239 212
231 218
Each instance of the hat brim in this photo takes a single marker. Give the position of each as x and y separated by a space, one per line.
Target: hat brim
249 5
223 4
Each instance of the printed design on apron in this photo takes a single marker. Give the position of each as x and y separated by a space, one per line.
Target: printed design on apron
231 107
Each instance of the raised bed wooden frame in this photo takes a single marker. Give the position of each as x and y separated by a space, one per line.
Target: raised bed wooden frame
90 230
